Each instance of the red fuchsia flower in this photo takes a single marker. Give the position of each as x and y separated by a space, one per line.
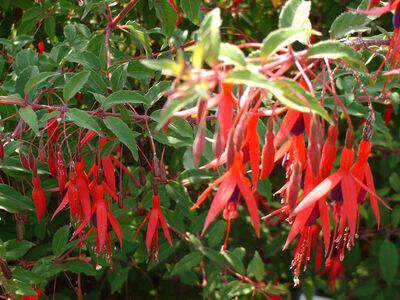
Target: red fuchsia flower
268 152
40 47
252 142
388 114
38 196
101 216
233 178
344 187
51 161
391 5
32 297
77 195
155 219
1 149
293 126
335 270
61 169
226 105
230 213
52 129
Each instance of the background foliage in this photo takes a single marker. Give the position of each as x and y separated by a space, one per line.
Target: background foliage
74 67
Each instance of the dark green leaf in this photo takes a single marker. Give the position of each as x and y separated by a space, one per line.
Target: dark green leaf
123 133
29 116
16 249
75 84
256 267
60 240
12 201
82 119
187 262
123 97
388 261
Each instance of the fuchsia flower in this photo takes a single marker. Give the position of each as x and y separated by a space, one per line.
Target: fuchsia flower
233 178
155 217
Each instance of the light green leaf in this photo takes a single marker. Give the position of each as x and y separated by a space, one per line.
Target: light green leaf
284 89
348 23
210 37
29 116
37 79
388 261
295 14
123 133
75 84
166 66
231 54
82 119
60 240
12 201
335 50
256 267
123 97
281 38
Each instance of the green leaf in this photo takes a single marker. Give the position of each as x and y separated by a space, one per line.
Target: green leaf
25 58
35 80
167 15
139 34
17 249
335 50
123 133
157 91
118 278
256 267
348 23
50 26
191 8
285 90
295 14
82 119
234 260
79 266
75 84
166 66
29 116
388 261
231 54
60 240
187 262
123 97
12 201
174 106
240 289
395 216
281 38
210 36
394 181
118 77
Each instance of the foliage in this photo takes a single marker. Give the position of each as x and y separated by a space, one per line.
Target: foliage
119 118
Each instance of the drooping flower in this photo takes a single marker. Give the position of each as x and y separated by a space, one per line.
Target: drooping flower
233 178
101 216
155 219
